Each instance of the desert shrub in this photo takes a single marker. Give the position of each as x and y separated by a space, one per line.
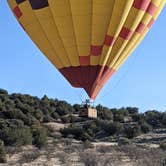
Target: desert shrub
163 145
104 149
39 136
123 141
10 150
137 117
56 135
67 141
145 127
64 108
18 114
29 156
163 120
132 131
118 117
120 114
74 148
153 118
25 108
104 113
67 119
55 115
151 157
2 152
85 136
89 158
14 133
45 109
144 156
75 131
2 108
111 139
87 144
93 129
73 119
29 119
2 91
78 133
45 100
3 98
76 108
47 118
108 148
93 158
113 128
132 110
18 136
89 130
38 115
133 152
62 156
94 126
70 136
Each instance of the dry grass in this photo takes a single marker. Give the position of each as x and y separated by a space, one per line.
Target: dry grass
143 156
30 156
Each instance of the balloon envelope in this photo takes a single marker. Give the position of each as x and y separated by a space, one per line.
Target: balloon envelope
86 40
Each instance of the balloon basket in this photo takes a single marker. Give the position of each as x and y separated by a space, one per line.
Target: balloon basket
87 110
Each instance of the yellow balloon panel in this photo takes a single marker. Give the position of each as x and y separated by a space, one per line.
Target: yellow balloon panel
86 40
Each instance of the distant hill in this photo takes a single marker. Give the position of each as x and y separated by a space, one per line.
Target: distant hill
29 111
24 119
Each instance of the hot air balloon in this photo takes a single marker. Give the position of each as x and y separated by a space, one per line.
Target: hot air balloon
87 40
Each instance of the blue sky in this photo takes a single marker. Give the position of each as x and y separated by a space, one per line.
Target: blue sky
140 82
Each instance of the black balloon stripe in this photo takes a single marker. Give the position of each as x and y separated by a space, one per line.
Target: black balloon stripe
38 4
19 1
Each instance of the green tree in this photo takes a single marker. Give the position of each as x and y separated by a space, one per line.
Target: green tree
113 128
77 132
132 131
163 120
76 108
5 92
145 127
63 108
153 118
104 113
132 110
